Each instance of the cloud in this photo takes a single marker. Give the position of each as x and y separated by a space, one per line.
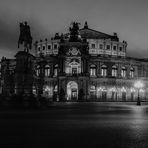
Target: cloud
47 17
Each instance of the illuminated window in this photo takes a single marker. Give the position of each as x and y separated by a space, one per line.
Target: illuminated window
47 70
123 72
131 72
123 89
104 70
48 91
56 70
92 92
92 88
34 91
132 90
56 88
38 70
92 70
114 71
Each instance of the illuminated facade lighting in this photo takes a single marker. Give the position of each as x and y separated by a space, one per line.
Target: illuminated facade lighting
83 63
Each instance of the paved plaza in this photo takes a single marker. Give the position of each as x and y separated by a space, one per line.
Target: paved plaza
99 125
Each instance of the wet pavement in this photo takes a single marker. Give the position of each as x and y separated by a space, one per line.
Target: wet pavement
98 125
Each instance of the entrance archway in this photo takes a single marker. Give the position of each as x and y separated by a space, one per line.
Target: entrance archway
72 91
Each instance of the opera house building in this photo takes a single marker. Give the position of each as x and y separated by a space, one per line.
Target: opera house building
81 65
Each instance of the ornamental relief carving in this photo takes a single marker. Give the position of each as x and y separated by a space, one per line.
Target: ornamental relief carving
73 51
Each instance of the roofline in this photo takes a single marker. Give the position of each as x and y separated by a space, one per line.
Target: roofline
137 59
98 32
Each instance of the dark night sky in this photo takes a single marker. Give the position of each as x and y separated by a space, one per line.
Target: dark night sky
126 17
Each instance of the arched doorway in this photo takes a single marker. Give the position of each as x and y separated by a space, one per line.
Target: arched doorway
92 92
72 91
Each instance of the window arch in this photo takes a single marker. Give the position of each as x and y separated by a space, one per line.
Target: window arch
74 67
92 70
104 70
131 72
92 92
123 72
114 71
47 70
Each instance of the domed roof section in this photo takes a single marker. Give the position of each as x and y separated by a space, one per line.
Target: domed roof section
88 33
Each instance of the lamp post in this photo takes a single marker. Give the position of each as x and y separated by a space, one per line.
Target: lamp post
138 85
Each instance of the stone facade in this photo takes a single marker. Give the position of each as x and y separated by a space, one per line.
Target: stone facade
92 67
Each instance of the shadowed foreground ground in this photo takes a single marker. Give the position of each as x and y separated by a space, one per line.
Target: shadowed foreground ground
100 125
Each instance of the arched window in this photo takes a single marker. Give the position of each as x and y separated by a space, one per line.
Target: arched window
123 91
104 70
47 70
131 72
113 94
38 70
56 70
47 91
92 70
74 67
114 71
92 92
123 72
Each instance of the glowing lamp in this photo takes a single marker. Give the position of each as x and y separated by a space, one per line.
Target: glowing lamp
138 85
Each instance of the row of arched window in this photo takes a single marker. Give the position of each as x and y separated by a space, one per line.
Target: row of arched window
114 72
115 93
93 71
47 70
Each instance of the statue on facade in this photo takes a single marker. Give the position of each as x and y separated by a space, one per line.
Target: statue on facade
25 37
74 32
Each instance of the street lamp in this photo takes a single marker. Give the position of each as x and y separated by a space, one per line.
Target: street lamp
138 85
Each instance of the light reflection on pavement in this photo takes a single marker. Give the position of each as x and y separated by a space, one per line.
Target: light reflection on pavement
100 125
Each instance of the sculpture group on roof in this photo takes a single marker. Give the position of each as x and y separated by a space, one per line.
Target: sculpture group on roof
74 32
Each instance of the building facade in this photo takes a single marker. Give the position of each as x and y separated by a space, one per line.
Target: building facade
82 65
